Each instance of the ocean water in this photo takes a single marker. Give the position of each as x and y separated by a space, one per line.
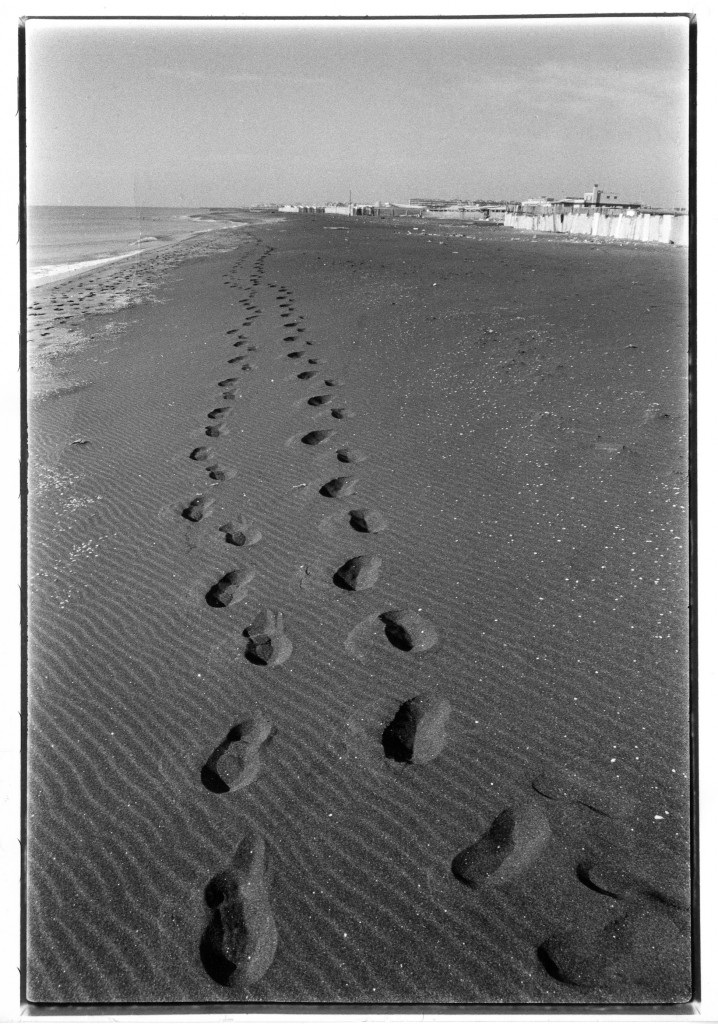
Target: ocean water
71 239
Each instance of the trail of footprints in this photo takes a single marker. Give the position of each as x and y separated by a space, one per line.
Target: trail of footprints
239 942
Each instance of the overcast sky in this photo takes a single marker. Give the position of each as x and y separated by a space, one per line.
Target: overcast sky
232 113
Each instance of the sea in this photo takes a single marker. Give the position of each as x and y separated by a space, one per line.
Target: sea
68 240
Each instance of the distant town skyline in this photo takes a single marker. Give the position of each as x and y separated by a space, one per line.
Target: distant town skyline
235 113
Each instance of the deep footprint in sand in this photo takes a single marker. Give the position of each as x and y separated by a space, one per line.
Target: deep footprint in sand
200 454
339 487
236 762
216 431
267 643
319 400
217 414
417 733
294 355
227 382
343 414
409 631
512 843
350 455
198 508
232 587
358 573
239 942
307 374
317 436
239 533
367 520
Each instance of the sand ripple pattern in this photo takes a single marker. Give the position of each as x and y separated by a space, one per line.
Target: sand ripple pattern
135 680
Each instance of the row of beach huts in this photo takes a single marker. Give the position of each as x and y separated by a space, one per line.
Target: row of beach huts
594 214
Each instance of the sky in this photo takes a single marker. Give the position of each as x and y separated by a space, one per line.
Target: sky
233 113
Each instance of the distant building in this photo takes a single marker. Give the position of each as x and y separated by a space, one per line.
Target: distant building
300 209
593 200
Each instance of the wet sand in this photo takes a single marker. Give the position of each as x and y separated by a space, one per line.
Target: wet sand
455 460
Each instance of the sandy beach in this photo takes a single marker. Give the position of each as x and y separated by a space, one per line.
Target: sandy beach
454 458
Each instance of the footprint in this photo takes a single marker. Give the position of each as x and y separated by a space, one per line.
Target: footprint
267 643
319 400
217 431
635 946
317 436
200 454
219 473
240 534
307 374
332 383
294 355
358 573
619 884
408 631
350 455
367 520
343 414
236 763
269 651
339 487
240 940
198 508
227 381
570 785
217 414
512 843
417 733
232 587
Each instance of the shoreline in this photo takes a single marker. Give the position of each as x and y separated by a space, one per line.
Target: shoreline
524 439
102 289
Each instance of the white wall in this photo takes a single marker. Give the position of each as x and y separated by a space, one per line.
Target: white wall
643 227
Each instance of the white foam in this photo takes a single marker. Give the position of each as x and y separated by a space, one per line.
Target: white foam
45 273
